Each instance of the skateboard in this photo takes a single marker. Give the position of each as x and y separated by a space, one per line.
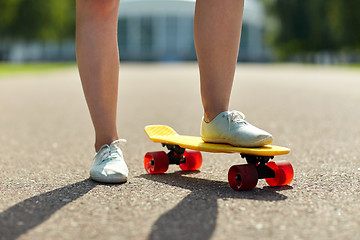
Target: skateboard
185 151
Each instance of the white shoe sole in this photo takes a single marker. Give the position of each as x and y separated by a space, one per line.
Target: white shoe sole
261 143
109 179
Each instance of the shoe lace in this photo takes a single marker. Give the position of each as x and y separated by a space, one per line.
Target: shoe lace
236 117
111 151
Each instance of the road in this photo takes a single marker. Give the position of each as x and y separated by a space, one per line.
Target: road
46 146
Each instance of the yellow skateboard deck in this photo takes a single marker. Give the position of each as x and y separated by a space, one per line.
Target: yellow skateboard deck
167 135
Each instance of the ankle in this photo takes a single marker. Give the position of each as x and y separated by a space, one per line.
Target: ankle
209 116
102 141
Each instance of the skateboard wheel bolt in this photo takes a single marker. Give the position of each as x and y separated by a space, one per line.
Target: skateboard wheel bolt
238 177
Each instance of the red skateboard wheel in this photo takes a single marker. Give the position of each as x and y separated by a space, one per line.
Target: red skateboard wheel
156 162
242 177
193 161
284 173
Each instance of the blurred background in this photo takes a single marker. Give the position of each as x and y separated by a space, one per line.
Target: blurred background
321 31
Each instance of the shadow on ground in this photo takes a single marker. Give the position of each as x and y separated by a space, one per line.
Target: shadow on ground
31 212
195 216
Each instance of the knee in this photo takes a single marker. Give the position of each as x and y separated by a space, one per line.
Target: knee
105 6
98 7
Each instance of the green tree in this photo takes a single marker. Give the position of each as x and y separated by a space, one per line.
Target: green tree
292 27
307 26
37 19
345 23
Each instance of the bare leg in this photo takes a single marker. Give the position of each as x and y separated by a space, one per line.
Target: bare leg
98 61
217 30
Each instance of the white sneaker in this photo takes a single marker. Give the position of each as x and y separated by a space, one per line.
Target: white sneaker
109 165
231 128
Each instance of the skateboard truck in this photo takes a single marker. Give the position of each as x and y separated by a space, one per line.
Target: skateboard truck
263 170
176 154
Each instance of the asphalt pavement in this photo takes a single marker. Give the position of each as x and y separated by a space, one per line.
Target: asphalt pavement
46 151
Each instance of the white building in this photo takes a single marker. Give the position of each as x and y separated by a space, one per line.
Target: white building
153 30
162 30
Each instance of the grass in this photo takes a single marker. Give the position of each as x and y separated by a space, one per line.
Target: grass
38 68
353 65
32 68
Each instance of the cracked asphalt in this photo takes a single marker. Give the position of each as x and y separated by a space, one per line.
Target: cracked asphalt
46 146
